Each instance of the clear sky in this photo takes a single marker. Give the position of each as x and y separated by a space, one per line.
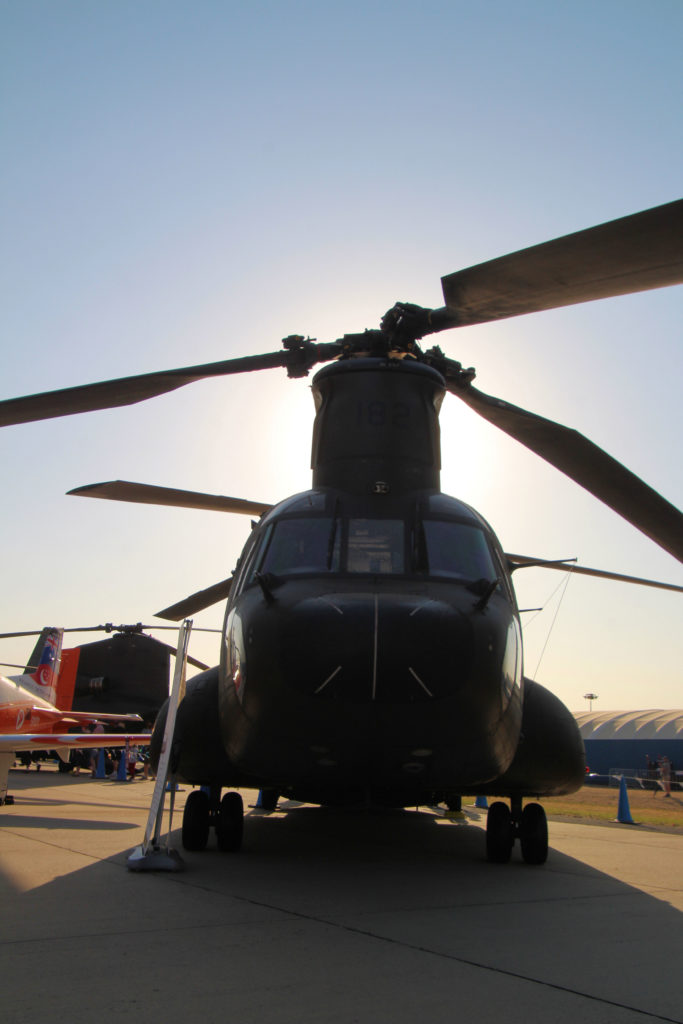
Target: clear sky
190 181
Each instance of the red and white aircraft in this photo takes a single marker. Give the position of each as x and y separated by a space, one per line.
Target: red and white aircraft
31 720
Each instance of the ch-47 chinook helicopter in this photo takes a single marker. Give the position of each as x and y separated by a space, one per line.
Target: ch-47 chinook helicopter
372 648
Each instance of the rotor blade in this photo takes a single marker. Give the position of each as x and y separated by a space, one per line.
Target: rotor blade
108 627
197 602
148 494
28 632
586 464
71 629
529 562
123 391
129 390
627 255
174 650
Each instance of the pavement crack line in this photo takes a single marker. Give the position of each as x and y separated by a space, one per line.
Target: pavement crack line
92 857
465 961
400 943
377 937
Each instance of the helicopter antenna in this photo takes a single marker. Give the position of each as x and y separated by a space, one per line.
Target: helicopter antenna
552 624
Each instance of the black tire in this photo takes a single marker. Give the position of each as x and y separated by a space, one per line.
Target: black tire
499 833
230 823
533 834
196 821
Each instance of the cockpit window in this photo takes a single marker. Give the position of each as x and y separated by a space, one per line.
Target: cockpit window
457 550
327 544
376 546
300 546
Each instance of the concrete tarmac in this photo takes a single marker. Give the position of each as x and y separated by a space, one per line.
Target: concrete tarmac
329 917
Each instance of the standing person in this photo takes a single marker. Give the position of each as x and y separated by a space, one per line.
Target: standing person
665 773
132 760
147 772
95 751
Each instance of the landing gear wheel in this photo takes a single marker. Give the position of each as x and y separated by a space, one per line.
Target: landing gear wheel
230 823
533 834
499 833
196 821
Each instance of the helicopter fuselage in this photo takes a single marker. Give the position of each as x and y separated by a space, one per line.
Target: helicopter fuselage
372 647
350 665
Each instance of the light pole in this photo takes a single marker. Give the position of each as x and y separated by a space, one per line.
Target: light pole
590 697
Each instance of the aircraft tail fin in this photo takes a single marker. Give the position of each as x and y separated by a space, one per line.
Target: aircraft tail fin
42 671
37 651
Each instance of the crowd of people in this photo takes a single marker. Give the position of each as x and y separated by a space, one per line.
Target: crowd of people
88 759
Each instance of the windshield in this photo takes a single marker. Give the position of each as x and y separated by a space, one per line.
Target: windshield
326 544
301 545
375 545
457 550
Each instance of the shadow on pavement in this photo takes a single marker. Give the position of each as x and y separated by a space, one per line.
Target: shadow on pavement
331 915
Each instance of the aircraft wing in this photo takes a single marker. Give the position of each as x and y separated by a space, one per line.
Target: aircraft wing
52 740
77 717
65 719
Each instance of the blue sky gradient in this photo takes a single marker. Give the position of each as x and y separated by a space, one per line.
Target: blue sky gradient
184 182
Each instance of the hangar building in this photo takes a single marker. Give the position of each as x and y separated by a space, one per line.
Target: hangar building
627 740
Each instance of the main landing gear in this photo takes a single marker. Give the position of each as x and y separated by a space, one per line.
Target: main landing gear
203 809
505 824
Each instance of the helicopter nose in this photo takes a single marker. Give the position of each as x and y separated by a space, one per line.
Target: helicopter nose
379 648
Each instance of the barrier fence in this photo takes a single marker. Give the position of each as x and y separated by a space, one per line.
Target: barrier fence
645 778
